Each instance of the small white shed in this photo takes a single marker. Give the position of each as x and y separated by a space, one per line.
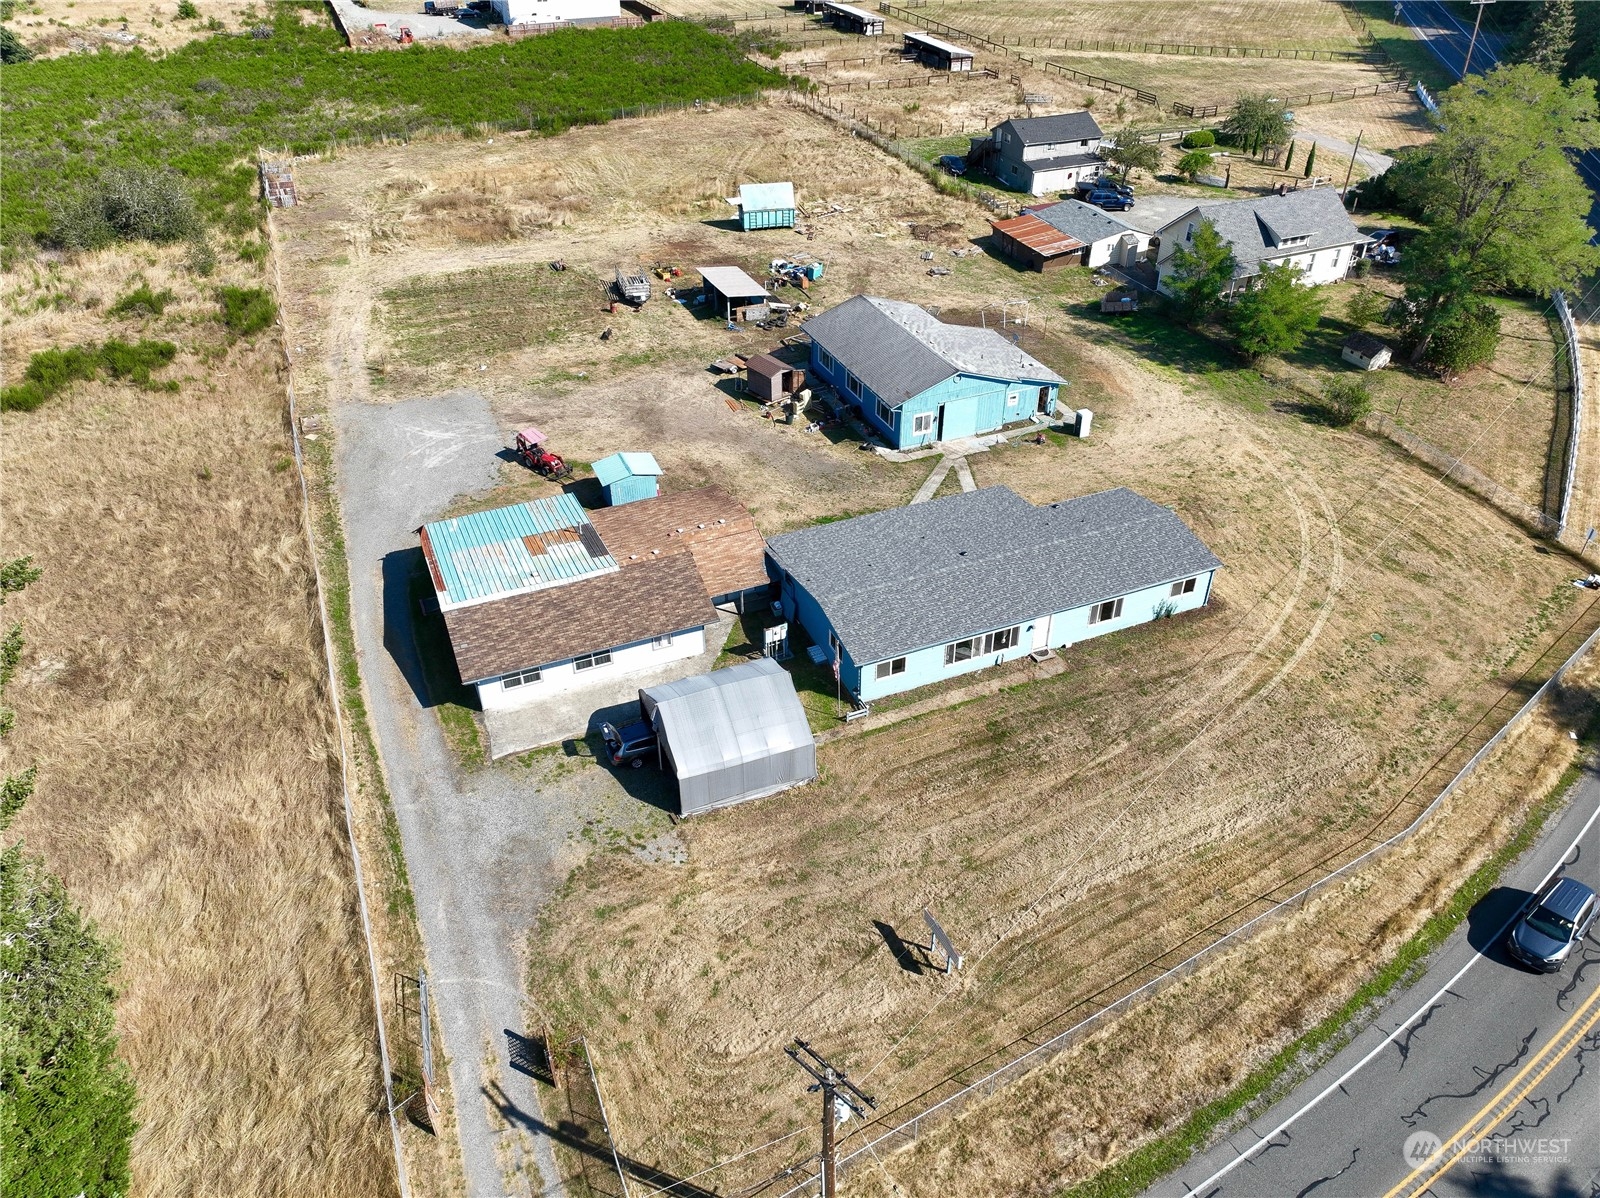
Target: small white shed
1365 351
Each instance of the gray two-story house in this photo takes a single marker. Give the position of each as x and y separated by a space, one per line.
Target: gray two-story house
1042 154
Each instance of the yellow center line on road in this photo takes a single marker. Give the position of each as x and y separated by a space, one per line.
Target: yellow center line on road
1507 1100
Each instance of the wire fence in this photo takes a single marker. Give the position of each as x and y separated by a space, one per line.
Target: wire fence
867 1142
1574 433
1182 49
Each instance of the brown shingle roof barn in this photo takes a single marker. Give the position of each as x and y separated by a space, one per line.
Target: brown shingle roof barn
706 522
653 599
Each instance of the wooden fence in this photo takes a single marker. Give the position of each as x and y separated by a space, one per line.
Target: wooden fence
1182 49
926 80
1207 111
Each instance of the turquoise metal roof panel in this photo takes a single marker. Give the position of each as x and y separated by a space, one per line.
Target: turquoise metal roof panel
618 466
511 550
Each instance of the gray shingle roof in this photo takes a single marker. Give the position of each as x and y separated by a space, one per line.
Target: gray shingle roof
1254 227
900 350
1083 221
936 572
1043 130
1036 165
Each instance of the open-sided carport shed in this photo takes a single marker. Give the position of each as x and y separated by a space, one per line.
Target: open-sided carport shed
731 735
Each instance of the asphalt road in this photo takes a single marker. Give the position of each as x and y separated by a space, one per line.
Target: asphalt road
1499 1065
1449 37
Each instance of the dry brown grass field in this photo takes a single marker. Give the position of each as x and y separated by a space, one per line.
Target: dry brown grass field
173 696
1071 828
1293 24
52 27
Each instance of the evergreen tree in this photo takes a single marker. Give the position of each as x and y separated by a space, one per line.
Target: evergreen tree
1200 272
1276 314
66 1102
1311 159
1256 121
1550 40
1288 162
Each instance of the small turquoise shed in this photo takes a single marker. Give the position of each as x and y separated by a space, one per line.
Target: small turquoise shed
766 206
625 477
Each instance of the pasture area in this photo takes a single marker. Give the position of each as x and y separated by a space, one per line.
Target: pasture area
173 694
1071 829
1289 24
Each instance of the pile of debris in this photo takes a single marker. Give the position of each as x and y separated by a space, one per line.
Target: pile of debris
787 273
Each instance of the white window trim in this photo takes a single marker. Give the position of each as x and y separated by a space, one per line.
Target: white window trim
826 359
591 661
1098 614
892 668
520 678
662 642
983 645
885 413
921 423
1185 586
853 384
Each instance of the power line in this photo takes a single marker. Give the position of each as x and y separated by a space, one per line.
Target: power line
839 1093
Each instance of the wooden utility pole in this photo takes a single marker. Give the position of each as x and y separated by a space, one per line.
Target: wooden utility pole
1466 64
837 1091
1350 170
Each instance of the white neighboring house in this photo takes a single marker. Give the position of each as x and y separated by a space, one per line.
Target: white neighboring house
555 12
1309 230
1044 153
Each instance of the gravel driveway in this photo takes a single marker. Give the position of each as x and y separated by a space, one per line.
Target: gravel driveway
485 849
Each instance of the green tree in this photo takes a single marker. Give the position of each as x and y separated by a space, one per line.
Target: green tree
1550 40
66 1102
1195 162
1366 307
1257 120
1468 338
1201 270
1288 162
1345 400
1504 201
1311 160
12 49
1277 313
1131 154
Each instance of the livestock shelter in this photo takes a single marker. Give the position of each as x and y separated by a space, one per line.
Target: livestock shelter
1366 351
915 595
733 294
850 19
937 53
1037 244
917 380
626 477
765 206
771 379
732 735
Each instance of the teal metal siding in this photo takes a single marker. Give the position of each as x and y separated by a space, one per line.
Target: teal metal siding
630 488
484 555
766 218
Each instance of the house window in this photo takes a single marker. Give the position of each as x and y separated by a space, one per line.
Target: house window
662 642
1188 234
590 660
1109 610
1084 142
826 359
980 646
888 669
1011 400
885 413
922 423
1185 587
520 678
852 384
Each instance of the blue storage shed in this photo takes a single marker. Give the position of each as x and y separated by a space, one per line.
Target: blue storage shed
625 477
918 380
766 206
915 595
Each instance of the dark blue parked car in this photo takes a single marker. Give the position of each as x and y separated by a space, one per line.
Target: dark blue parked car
955 164
1111 201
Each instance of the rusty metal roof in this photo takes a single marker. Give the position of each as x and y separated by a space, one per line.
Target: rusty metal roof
1038 235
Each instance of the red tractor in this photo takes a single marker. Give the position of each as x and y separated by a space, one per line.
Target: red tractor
532 453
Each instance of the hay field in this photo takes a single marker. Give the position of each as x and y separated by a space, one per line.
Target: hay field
1292 24
1069 828
1220 81
173 696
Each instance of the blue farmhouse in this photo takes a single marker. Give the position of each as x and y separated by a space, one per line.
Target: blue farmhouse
625 477
917 594
918 380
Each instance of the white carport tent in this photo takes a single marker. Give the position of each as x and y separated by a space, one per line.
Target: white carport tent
731 735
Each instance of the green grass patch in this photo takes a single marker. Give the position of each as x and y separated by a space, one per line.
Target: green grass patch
203 110
473 314
1150 1162
825 705
246 310
51 371
141 301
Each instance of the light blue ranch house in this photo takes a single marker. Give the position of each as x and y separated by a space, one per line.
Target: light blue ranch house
918 380
918 594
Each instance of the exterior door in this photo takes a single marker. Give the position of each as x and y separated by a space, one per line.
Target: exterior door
1041 632
939 435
